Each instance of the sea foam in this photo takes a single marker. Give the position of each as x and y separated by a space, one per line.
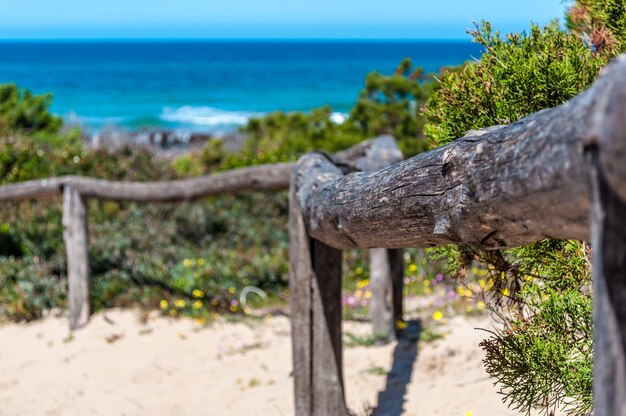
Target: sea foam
206 116
338 118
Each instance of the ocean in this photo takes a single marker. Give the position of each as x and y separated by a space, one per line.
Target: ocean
206 86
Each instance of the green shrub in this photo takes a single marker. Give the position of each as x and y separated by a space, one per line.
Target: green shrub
28 287
542 359
517 75
390 104
213 153
25 112
280 137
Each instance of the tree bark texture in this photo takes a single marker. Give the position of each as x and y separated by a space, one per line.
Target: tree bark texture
499 187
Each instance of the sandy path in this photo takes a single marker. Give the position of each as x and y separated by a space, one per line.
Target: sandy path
174 367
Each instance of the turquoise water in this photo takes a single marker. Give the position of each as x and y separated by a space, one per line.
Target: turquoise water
207 85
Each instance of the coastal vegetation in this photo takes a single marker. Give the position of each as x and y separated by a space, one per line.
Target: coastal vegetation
194 258
542 358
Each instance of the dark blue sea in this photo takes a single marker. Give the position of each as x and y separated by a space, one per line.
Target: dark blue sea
207 85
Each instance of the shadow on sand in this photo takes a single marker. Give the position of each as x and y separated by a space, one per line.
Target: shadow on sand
391 399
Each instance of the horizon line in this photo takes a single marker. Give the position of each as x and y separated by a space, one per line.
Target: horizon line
235 39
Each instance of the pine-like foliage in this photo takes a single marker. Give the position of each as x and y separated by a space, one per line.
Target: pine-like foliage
24 111
517 75
542 359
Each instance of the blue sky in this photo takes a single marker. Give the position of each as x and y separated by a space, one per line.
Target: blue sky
265 18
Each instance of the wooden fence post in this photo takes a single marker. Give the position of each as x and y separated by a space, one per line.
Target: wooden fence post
75 237
300 278
327 357
315 304
608 229
386 279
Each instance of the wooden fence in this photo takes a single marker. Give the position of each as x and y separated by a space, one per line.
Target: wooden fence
76 190
559 173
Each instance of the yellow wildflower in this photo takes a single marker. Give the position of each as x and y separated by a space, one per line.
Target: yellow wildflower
362 283
197 304
437 316
469 414
197 293
401 324
187 263
180 303
426 282
358 270
358 293
412 268
480 305
505 291
482 283
232 308
232 290
164 304
200 262
201 321
173 312
368 294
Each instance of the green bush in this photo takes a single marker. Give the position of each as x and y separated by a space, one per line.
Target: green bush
390 104
280 137
542 359
28 287
25 112
517 75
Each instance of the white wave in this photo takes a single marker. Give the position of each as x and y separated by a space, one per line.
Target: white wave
338 118
206 116
73 118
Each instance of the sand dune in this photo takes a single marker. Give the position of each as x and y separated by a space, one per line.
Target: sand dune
119 365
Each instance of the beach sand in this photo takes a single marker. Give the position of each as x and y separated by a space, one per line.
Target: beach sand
123 365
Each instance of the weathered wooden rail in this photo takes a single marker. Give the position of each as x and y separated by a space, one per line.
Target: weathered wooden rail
77 190
559 173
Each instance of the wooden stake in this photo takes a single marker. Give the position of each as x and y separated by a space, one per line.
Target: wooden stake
75 236
386 274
